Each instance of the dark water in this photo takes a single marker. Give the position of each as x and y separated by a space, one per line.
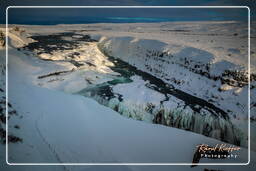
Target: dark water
104 90
94 20
103 93
127 70
52 16
227 132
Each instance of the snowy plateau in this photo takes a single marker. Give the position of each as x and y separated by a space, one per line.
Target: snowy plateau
127 93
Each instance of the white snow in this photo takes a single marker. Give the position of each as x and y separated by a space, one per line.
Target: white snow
60 127
143 94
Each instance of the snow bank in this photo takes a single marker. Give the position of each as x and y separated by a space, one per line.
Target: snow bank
72 128
193 70
60 127
155 53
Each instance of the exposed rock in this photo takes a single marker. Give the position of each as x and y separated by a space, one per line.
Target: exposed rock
54 74
2 39
225 87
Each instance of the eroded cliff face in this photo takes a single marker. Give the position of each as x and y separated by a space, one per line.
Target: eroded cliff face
2 39
182 86
194 71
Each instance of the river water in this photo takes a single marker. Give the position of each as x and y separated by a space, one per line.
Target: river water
213 123
195 114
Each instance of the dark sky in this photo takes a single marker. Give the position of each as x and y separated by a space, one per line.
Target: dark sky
59 16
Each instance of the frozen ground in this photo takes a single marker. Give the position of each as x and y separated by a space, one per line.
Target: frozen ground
57 124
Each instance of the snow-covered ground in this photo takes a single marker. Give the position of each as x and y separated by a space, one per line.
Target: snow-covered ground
57 124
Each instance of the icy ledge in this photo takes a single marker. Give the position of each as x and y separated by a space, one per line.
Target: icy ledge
192 70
